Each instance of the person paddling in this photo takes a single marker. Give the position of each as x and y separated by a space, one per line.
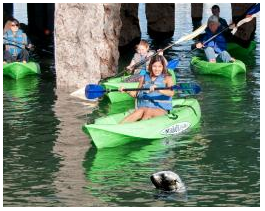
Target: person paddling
15 42
142 53
154 102
215 50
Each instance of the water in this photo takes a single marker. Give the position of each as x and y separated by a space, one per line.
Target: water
48 161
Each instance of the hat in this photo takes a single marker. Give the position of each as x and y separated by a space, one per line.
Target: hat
213 19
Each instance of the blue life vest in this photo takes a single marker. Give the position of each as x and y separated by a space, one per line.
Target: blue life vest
218 43
154 99
19 39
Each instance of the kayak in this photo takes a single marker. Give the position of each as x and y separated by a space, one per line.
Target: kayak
17 70
236 50
115 83
229 70
108 132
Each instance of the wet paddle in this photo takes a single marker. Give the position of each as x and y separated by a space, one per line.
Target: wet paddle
80 93
93 91
26 47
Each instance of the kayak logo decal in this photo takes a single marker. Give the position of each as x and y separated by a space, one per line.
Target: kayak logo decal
176 129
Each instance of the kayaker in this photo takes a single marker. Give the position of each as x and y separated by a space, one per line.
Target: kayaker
152 103
142 52
216 12
227 34
15 42
215 50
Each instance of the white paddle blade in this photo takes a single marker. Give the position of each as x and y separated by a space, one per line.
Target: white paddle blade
240 23
80 93
193 34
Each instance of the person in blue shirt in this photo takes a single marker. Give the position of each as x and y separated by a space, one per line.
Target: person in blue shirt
15 42
215 50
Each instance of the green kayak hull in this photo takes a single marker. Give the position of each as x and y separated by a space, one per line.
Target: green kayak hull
228 70
107 132
17 70
237 50
115 83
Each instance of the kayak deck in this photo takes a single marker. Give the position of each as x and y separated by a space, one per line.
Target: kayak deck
17 70
108 132
236 50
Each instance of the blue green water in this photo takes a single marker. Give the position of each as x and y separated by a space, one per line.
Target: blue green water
48 161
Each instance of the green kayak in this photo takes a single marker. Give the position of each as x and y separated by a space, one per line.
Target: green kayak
237 50
107 132
228 70
115 83
17 70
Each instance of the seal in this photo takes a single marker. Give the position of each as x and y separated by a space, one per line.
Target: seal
168 181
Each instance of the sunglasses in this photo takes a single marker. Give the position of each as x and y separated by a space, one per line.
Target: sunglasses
14 24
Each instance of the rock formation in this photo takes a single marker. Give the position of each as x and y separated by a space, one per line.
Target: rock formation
86 42
130 30
160 20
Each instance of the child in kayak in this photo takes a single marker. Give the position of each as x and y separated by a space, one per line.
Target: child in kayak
142 53
215 50
152 103
15 42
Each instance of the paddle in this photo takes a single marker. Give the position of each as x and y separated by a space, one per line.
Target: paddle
26 47
80 93
182 39
93 91
250 14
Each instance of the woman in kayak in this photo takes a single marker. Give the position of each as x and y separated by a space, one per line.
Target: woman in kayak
152 103
215 50
15 42
142 53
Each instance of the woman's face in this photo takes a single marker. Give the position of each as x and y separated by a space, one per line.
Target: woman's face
213 27
157 68
14 26
142 49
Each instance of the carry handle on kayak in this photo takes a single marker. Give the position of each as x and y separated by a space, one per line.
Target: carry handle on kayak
93 91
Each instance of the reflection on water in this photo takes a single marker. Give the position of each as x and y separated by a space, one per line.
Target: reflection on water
48 161
121 175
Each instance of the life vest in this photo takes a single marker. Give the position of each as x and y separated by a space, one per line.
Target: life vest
154 99
19 40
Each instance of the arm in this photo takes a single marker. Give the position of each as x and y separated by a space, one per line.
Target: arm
4 40
25 40
131 64
134 93
220 44
169 83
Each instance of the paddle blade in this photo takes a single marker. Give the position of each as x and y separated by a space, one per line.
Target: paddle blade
187 88
192 35
93 91
254 9
172 64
